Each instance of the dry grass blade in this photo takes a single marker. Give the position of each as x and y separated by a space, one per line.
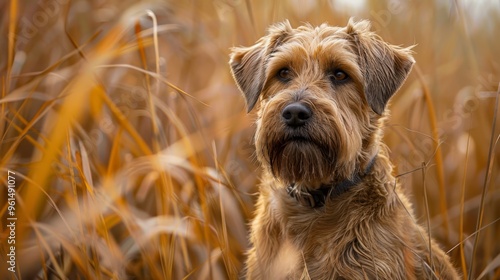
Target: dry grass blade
438 155
462 205
474 234
487 178
13 19
490 268
430 259
71 111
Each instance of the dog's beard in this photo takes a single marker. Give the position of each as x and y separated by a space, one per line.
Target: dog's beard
301 159
322 151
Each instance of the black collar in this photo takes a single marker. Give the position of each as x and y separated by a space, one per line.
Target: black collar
316 198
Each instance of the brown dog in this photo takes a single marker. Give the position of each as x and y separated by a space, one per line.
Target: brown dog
329 205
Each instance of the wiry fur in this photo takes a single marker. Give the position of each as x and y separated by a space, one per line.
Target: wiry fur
367 232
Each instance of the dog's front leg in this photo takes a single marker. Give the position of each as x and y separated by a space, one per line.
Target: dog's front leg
265 236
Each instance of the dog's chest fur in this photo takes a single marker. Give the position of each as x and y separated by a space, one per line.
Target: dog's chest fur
332 245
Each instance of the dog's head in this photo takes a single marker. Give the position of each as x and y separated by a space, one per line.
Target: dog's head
320 92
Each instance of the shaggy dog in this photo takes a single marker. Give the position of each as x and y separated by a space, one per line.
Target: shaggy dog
329 205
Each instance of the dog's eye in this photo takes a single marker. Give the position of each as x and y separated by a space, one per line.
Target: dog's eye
284 74
338 76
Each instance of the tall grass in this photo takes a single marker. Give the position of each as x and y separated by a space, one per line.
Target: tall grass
132 149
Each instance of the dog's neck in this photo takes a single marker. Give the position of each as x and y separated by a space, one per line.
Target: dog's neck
316 198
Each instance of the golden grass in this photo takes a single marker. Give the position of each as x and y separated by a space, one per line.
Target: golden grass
132 149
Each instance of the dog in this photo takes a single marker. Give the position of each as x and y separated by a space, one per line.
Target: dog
329 205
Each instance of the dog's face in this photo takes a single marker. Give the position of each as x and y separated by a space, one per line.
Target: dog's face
320 93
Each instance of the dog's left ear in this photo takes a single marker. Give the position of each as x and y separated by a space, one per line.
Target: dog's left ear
384 67
248 64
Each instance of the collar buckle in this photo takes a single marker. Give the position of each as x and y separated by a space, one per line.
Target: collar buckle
312 198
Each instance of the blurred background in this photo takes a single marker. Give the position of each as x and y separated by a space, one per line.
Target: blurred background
132 149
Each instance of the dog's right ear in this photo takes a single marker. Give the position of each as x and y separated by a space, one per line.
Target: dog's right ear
248 64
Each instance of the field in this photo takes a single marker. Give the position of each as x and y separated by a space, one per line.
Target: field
126 150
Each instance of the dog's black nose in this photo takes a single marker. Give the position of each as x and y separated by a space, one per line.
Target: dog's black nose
296 114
